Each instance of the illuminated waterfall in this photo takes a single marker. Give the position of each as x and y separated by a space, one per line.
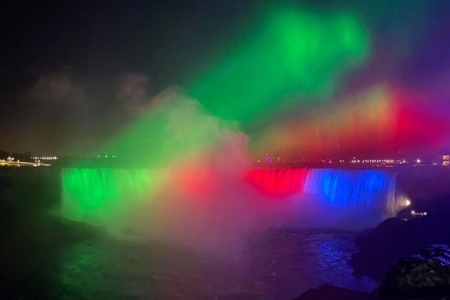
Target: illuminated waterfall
111 197
366 189
102 196
362 189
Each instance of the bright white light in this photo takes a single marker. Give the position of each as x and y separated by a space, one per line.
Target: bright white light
418 161
408 203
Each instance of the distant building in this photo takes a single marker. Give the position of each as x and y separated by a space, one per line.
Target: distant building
446 160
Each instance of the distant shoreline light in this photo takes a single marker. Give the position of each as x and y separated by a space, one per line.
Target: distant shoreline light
44 157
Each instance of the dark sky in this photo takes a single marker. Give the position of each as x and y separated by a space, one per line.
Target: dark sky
73 72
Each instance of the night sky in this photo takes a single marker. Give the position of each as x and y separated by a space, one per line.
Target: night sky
73 73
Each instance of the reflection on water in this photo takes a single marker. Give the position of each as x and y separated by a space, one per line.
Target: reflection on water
279 264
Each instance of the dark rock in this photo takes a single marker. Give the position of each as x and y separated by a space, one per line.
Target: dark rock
240 296
331 292
380 248
422 276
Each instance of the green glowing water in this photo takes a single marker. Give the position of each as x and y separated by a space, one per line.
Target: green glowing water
103 196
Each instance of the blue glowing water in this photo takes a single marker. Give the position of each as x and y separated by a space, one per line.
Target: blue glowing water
369 189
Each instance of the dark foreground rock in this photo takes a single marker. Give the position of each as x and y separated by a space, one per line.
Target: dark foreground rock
331 292
422 276
240 296
380 248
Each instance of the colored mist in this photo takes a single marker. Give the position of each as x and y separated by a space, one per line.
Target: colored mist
375 122
174 130
288 56
193 155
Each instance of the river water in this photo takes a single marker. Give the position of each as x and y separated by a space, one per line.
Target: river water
277 264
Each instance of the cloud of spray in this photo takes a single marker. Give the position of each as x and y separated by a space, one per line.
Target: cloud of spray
191 190
197 196
380 120
57 88
54 98
286 52
132 91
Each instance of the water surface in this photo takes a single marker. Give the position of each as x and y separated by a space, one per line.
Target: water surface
279 264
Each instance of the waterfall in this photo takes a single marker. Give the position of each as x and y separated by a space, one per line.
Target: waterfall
360 189
103 196
274 181
116 198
